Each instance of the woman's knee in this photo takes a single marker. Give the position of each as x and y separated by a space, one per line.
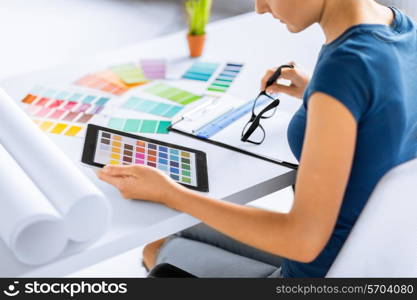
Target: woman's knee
150 252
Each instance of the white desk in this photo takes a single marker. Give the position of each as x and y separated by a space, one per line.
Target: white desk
260 42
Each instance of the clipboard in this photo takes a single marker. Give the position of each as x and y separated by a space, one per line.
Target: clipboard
219 121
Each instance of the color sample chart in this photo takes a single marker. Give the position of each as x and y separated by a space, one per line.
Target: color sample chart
139 125
154 68
64 104
225 79
56 111
201 71
120 150
68 129
172 93
129 73
152 107
104 81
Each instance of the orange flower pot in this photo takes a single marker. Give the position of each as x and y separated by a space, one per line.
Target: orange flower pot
196 44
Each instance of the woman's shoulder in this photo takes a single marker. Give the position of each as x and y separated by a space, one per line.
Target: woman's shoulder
366 47
362 55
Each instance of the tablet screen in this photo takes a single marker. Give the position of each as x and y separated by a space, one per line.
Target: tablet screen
116 149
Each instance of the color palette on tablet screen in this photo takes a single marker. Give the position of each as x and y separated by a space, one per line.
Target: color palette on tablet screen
169 92
139 125
225 79
201 71
152 107
120 150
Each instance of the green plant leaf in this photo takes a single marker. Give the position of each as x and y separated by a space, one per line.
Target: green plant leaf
198 13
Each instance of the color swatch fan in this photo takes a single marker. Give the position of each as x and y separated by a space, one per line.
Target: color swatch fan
104 81
120 78
65 111
225 78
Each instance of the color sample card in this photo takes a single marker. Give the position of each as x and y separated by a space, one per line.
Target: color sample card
139 125
103 82
154 68
62 128
115 149
225 79
106 81
129 73
172 93
66 105
152 107
201 71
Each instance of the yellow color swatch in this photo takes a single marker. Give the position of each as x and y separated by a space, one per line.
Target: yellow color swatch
114 162
46 125
117 138
114 149
115 156
185 154
116 144
59 128
73 130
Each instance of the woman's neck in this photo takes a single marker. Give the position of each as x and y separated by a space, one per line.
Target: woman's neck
340 15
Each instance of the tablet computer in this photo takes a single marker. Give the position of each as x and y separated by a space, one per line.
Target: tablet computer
105 146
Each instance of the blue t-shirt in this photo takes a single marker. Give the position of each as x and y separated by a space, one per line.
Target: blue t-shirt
372 71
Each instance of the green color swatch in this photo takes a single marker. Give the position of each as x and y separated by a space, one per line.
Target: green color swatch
140 126
172 93
132 125
163 127
116 123
149 126
152 107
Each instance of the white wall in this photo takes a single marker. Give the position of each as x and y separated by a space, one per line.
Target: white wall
409 6
40 33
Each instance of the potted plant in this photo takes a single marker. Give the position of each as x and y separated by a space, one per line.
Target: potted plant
198 13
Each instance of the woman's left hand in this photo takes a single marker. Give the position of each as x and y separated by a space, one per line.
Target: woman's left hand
141 182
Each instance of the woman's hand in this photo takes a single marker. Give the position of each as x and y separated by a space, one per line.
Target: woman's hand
141 182
298 77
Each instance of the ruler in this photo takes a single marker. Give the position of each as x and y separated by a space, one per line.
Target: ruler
226 119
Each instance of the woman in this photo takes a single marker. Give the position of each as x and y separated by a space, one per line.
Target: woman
358 120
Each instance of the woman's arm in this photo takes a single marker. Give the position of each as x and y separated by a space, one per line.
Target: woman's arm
321 181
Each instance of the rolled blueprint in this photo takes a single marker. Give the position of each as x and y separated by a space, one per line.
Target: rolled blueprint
82 205
29 224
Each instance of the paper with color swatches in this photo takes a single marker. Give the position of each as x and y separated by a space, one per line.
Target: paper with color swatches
139 125
104 81
64 128
154 68
129 73
56 111
169 92
201 71
225 79
117 150
152 107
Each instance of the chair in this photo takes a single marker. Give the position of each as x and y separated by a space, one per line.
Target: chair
383 242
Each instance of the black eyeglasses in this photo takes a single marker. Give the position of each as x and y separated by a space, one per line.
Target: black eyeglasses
264 107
